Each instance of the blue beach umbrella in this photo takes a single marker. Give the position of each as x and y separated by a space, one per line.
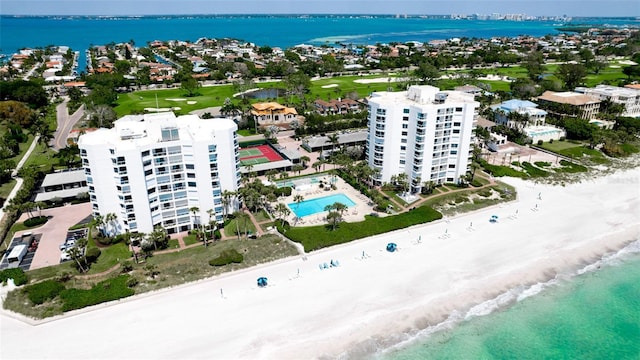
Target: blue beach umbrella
391 247
262 281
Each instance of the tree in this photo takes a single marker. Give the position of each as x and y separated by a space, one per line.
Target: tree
334 140
109 221
316 165
297 83
297 168
304 160
158 237
226 201
194 210
298 199
283 211
427 73
68 155
333 218
189 84
533 64
102 116
239 216
76 253
572 75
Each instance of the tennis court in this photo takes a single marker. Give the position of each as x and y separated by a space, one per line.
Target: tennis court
258 155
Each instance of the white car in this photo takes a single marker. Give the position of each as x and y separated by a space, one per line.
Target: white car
65 256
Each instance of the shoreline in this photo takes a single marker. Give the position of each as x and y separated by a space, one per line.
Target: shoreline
364 304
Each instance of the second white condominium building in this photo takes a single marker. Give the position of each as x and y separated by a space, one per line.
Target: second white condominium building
154 169
423 132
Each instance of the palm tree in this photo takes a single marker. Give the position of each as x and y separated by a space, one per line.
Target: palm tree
297 168
282 210
304 160
40 205
226 201
211 214
298 199
194 211
333 217
98 222
237 216
158 236
109 219
339 207
316 165
333 139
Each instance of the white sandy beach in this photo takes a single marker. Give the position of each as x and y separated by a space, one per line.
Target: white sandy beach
364 303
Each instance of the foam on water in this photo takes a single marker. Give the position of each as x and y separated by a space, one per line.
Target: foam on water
500 302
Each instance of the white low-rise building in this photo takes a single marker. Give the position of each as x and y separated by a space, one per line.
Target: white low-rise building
630 98
155 169
423 132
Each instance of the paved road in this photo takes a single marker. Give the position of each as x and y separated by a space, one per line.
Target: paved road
65 124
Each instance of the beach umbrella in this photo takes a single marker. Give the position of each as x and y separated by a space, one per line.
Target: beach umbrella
262 281
391 247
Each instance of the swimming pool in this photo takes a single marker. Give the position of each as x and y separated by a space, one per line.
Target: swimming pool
313 206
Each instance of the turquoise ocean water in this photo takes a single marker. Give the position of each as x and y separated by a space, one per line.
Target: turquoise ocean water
592 314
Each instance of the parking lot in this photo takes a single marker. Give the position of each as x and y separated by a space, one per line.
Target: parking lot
54 233
25 264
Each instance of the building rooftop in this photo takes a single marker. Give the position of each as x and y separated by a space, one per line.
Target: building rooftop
568 97
420 95
64 177
268 108
133 131
346 138
609 90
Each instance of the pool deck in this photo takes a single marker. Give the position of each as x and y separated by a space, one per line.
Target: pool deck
363 205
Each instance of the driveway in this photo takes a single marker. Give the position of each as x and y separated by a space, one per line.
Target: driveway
54 232
65 124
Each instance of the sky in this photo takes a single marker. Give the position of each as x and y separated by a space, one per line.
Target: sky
393 7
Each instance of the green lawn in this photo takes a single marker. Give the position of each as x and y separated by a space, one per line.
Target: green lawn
190 239
230 228
5 188
317 237
557 146
261 216
576 151
109 257
136 102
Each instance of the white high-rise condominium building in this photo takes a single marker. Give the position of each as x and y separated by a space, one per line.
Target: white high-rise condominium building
151 170
423 132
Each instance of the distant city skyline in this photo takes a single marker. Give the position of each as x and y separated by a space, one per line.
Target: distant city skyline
594 8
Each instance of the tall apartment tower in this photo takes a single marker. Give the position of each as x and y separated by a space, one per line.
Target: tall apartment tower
153 169
423 132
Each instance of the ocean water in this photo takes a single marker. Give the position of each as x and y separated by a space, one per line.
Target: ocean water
80 33
593 314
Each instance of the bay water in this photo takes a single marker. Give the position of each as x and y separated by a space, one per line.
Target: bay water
81 32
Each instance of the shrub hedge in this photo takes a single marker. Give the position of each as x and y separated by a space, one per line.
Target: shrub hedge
43 291
227 257
35 221
107 290
498 171
18 275
92 255
534 171
317 237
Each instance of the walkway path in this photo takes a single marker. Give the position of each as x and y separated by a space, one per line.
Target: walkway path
19 180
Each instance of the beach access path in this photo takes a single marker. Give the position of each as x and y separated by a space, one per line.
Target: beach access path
367 302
